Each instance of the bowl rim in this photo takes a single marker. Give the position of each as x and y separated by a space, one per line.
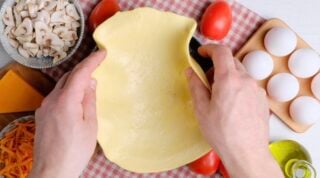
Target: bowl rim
13 124
48 62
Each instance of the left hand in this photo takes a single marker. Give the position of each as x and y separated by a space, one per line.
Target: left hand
66 124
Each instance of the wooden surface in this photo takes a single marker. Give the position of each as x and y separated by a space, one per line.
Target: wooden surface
35 78
280 65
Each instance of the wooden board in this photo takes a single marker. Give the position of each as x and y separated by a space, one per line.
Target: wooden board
280 65
35 78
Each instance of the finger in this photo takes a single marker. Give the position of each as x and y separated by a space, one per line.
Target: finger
210 75
199 92
80 77
62 81
89 103
263 92
56 91
239 66
262 95
221 56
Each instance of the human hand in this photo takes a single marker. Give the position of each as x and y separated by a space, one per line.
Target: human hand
234 115
66 124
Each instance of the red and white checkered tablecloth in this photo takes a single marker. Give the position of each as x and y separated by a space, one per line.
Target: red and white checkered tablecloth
245 22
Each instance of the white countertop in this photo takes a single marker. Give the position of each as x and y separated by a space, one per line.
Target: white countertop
303 17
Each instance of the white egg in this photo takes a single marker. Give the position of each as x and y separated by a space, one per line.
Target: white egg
305 110
304 63
259 64
315 86
280 41
283 87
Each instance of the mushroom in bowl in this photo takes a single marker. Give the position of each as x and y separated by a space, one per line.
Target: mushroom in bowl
41 33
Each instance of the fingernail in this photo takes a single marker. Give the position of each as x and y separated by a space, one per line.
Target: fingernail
189 72
93 84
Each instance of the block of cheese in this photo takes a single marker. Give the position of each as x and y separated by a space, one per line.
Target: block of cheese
16 95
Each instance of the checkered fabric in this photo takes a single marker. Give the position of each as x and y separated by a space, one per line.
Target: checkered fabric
245 22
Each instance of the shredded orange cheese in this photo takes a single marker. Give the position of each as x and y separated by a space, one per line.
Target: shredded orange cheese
16 151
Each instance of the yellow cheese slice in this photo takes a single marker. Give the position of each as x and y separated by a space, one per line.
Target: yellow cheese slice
16 95
146 121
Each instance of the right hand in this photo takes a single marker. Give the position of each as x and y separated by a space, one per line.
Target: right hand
233 116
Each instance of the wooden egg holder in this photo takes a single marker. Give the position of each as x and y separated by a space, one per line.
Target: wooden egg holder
256 42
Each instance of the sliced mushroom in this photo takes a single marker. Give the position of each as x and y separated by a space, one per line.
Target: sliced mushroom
65 48
30 1
40 30
58 56
75 25
31 48
20 5
42 3
23 52
49 5
69 43
44 16
8 17
58 17
17 16
68 20
8 32
53 51
56 48
45 51
32 9
51 39
13 43
24 39
11 32
60 31
72 11
61 4
25 7
25 28
70 36
24 14
39 54
30 45
13 29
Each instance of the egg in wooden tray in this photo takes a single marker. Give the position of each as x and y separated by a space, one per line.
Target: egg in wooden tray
288 69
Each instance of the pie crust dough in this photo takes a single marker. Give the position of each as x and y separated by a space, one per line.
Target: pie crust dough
146 121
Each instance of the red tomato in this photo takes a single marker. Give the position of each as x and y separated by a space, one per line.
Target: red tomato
206 165
223 171
216 20
104 10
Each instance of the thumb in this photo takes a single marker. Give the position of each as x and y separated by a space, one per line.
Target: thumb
200 94
89 104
